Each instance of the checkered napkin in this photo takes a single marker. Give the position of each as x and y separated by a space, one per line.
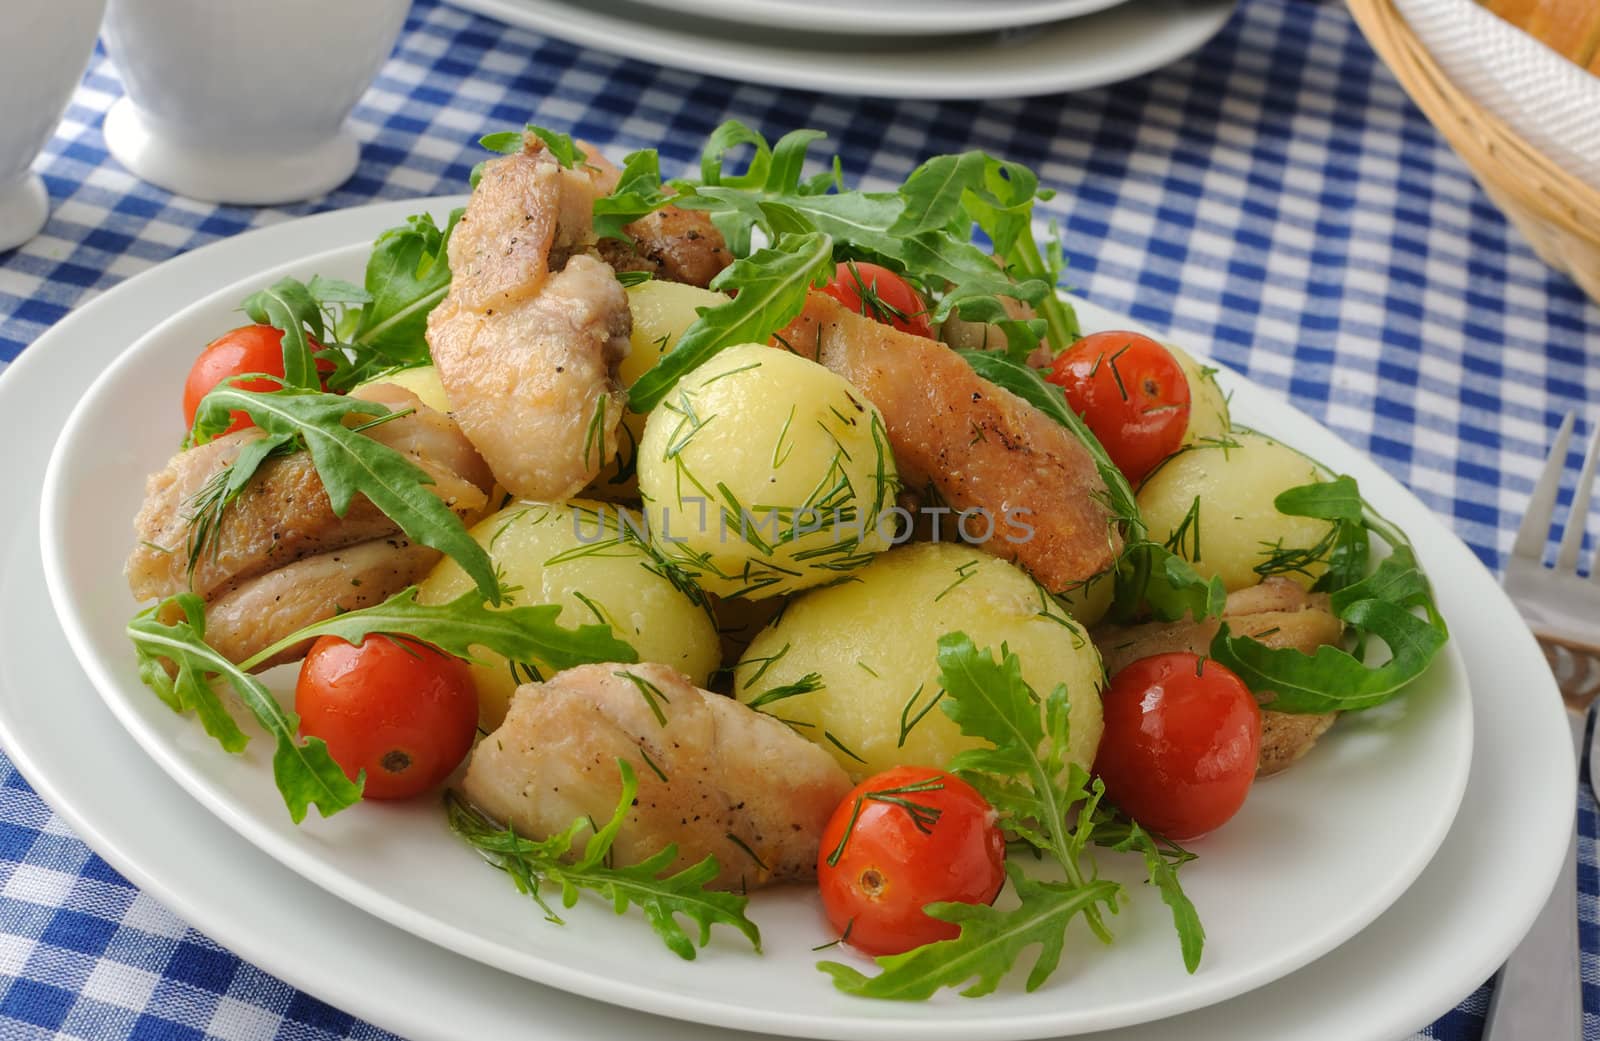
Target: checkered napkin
1275 194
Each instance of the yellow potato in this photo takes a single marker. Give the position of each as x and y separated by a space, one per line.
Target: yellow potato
1088 603
579 555
661 313
871 646
763 473
423 381
1208 405
1238 526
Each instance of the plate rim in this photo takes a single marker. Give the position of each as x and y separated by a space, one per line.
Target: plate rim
1545 834
602 26
551 972
885 20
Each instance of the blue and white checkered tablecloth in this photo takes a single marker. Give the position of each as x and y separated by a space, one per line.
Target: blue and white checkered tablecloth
1276 194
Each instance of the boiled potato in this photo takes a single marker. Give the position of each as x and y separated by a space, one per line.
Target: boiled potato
871 647
578 555
661 313
1236 525
763 473
1089 602
1208 405
423 381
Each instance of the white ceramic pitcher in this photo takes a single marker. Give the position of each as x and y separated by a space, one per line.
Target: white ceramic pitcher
44 47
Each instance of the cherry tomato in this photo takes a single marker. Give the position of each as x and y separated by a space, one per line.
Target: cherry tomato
249 348
1133 394
903 839
403 711
881 295
1182 734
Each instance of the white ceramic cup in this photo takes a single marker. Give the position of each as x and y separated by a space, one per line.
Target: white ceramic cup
244 101
44 47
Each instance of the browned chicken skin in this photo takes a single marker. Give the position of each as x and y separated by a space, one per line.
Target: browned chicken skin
528 341
716 777
672 244
1279 614
981 447
279 558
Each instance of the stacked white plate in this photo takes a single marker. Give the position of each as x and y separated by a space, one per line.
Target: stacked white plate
887 48
1350 901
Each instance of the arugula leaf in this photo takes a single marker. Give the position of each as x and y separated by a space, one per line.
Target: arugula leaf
1381 607
509 142
521 634
350 464
1333 679
638 193
954 191
991 942
407 275
363 332
533 864
1162 859
505 142
1028 385
306 774
290 305
1152 576
1346 549
772 287
933 195
890 228
1024 776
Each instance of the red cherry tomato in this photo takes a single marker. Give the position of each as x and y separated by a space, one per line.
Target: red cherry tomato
881 295
403 711
903 839
1181 739
249 348
1133 394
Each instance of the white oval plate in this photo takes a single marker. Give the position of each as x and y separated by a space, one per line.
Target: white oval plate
1128 40
886 18
1315 856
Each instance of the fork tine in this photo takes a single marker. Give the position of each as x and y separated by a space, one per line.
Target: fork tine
1577 520
1535 529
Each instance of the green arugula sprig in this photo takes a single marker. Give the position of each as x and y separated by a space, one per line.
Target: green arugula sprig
772 286
364 331
1381 607
177 663
348 463
304 771
1048 803
534 864
523 634
924 230
301 310
407 275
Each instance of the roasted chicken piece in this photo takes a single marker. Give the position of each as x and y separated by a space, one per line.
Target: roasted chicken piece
245 617
278 558
528 340
1279 614
716 777
282 515
979 446
672 244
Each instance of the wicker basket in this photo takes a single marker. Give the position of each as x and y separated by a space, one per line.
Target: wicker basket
1558 213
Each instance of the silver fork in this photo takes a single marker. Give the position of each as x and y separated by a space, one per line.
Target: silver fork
1537 993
